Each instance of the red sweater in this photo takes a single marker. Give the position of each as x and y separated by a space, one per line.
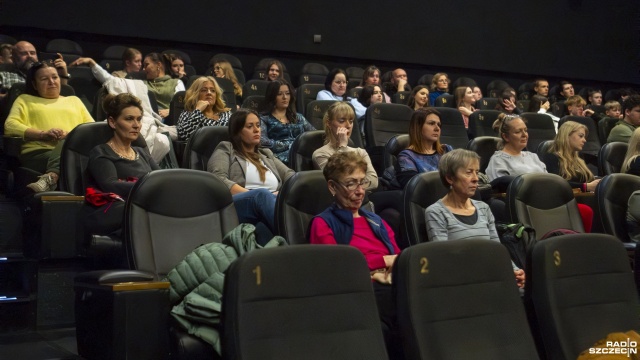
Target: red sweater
363 239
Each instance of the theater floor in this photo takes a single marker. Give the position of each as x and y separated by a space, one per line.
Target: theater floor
58 344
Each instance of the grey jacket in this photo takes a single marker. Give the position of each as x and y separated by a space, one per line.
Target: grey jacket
231 168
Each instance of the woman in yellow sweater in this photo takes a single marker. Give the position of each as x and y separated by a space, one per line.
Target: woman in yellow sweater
43 119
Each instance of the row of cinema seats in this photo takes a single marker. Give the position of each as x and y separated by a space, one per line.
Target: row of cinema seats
579 289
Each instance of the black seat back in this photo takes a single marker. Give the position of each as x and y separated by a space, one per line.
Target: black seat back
481 123
611 158
305 94
485 146
421 191
171 212
301 151
201 145
453 131
445 100
540 128
581 288
451 295
612 196
557 209
276 306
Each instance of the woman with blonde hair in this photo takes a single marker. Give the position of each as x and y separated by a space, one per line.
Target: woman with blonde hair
439 86
203 106
631 164
338 123
223 69
563 157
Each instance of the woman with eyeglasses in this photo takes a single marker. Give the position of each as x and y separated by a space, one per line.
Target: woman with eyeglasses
253 175
223 69
370 94
439 86
280 123
338 123
43 118
511 159
335 86
203 106
346 223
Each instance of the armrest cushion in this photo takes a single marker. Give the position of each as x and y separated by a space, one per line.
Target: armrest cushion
100 277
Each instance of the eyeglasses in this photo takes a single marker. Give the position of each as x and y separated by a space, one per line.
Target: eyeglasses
353 185
217 68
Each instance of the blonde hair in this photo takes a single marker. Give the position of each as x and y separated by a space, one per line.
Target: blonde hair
337 110
502 127
434 81
229 74
192 94
632 151
570 164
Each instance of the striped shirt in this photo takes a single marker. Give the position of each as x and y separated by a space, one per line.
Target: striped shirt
442 224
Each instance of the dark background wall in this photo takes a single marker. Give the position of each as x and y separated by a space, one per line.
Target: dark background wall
588 40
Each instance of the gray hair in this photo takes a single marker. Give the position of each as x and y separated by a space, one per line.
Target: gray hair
452 161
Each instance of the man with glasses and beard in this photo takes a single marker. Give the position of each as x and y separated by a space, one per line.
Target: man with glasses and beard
24 55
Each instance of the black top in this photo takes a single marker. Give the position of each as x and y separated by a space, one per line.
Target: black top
108 172
553 167
634 167
468 219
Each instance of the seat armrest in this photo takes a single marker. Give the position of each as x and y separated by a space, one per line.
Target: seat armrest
102 277
12 145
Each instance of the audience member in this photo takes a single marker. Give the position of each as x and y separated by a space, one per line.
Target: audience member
419 97
575 106
477 93
5 54
439 86
338 124
203 106
24 55
280 123
335 86
177 69
540 104
565 91
115 166
511 159
595 97
346 223
625 127
43 119
541 87
371 76
157 82
399 82
613 109
456 216
370 94
425 150
464 99
253 174
631 164
507 103
223 69
275 70
132 60
564 158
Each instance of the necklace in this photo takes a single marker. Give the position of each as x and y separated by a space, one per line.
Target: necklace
132 154
283 119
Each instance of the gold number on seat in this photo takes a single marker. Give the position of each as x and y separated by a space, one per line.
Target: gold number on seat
258 275
556 258
424 268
